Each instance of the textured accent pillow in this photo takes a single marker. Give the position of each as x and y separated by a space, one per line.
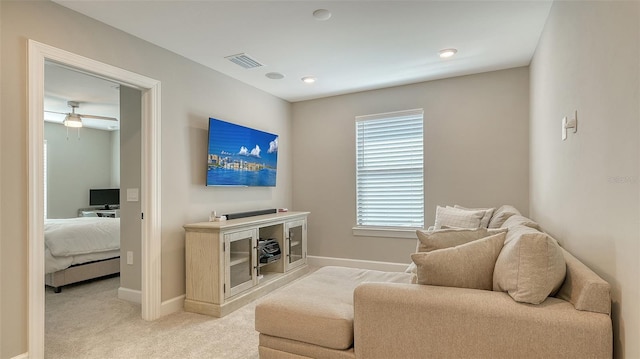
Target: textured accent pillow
469 265
529 267
446 238
488 212
501 215
455 217
518 220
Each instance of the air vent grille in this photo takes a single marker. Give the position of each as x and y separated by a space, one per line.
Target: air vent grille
244 61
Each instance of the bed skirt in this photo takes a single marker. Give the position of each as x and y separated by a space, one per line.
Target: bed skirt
82 272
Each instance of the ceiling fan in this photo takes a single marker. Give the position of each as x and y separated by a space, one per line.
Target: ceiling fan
73 119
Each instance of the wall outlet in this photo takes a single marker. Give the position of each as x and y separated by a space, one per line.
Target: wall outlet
129 257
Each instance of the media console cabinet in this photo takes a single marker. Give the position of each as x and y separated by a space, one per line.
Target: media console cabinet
223 268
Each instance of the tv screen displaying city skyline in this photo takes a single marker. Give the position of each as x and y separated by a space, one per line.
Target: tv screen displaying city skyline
240 156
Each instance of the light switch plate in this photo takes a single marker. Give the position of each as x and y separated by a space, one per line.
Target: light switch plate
132 195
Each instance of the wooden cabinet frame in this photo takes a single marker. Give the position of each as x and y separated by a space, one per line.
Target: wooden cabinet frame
223 274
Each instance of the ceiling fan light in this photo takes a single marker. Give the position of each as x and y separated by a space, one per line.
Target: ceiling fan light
72 120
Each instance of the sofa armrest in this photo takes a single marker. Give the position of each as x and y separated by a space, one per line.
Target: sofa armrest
419 321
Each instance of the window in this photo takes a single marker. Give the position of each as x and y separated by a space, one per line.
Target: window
390 170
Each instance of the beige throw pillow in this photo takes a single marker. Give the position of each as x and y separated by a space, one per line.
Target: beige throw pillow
468 265
501 215
488 212
529 267
455 217
517 219
444 238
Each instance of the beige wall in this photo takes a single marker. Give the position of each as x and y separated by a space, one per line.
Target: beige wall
584 191
190 94
131 177
476 154
115 159
2 268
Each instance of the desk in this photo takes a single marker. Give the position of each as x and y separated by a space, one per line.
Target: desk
92 212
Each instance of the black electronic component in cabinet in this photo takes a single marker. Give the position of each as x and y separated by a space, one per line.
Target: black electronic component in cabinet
268 250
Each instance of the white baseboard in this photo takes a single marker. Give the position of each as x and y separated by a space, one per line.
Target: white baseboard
177 304
22 356
356 263
172 305
130 295
167 307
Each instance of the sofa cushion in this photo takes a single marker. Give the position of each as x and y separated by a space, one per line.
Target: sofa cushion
584 288
318 309
455 217
518 220
530 266
488 213
469 265
501 215
445 238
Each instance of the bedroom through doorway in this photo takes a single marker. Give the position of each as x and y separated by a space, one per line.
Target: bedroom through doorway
89 222
149 193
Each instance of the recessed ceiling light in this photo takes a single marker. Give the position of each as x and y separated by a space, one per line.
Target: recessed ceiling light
309 79
322 14
274 75
445 53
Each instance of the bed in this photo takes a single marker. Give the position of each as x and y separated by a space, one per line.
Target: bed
82 248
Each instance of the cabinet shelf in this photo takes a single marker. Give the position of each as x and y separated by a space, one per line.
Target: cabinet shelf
238 258
260 264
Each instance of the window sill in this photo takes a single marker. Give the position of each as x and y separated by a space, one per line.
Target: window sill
391 232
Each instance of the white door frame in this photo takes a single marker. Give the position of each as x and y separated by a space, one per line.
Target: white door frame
150 204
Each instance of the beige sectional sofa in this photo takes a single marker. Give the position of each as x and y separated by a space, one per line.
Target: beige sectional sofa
339 312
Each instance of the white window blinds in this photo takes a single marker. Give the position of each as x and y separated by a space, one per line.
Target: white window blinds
389 169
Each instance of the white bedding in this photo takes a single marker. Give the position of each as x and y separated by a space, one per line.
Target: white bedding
54 264
80 240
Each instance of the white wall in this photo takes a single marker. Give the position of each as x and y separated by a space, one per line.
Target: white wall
190 94
584 191
75 165
476 154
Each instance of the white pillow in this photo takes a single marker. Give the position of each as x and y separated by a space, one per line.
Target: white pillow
518 220
502 214
455 217
488 212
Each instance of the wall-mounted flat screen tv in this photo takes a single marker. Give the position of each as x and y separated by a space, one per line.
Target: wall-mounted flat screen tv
104 197
240 156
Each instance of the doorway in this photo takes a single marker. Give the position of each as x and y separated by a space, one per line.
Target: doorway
150 180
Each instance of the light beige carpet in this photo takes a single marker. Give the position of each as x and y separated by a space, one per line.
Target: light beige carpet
89 321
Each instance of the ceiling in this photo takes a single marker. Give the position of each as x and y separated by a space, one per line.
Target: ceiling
94 95
363 45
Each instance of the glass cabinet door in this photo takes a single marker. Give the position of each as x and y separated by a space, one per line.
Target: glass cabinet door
296 244
240 256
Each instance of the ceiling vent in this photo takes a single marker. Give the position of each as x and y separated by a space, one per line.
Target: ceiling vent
244 61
